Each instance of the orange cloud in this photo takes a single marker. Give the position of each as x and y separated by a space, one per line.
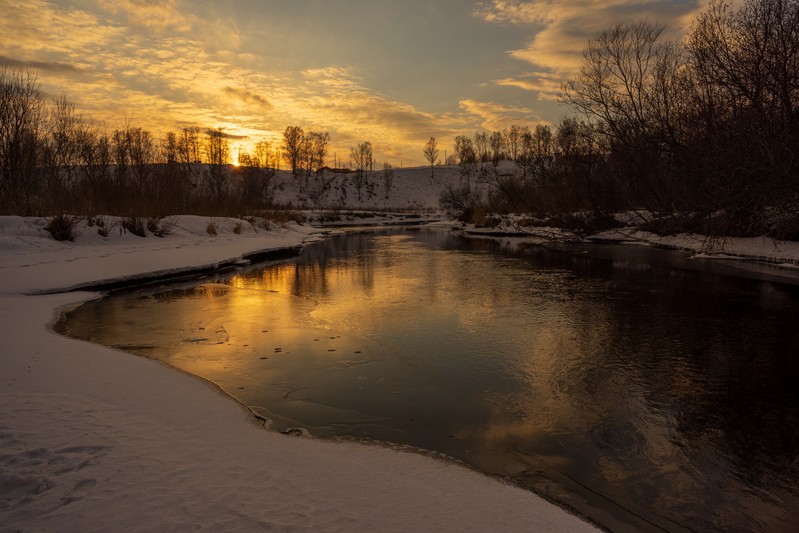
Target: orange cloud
496 117
248 97
562 29
157 14
163 67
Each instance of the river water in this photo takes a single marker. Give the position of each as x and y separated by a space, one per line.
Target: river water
644 389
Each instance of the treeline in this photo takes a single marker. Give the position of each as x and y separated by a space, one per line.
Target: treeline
53 161
704 132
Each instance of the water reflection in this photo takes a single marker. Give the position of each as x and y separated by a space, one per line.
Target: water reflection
634 384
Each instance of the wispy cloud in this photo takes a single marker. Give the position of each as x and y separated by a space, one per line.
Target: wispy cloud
174 63
546 84
514 11
495 117
248 97
37 30
47 66
561 29
155 14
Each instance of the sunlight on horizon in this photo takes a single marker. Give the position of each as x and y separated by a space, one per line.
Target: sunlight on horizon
376 74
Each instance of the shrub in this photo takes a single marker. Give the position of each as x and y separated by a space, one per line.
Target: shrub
104 224
237 228
210 229
135 225
459 202
62 227
161 226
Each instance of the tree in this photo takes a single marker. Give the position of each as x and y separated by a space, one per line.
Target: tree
318 144
579 156
217 149
481 147
747 66
21 122
431 153
628 83
497 144
513 137
362 157
262 156
388 178
189 146
466 156
169 147
60 150
293 138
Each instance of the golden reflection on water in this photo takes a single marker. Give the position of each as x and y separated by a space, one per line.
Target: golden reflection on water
560 370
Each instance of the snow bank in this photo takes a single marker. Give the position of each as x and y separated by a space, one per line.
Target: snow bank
95 439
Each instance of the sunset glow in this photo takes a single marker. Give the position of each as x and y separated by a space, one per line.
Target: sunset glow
392 73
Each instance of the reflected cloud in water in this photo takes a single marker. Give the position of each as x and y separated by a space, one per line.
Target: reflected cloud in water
630 383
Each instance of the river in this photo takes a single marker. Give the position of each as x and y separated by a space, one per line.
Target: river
645 389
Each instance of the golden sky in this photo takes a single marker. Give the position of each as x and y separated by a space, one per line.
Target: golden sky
386 71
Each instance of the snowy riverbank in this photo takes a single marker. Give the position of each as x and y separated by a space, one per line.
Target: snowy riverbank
755 257
95 439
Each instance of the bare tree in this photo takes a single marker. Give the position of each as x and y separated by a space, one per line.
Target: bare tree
21 122
388 178
262 157
189 146
513 136
362 156
60 151
217 150
579 159
497 144
431 153
625 84
217 147
481 147
318 146
293 137
466 156
169 147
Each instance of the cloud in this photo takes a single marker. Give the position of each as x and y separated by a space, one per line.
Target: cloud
514 12
337 99
155 14
37 29
47 66
546 84
226 135
561 29
248 97
136 61
496 117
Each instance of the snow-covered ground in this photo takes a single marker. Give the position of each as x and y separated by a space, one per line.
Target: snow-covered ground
415 188
748 256
93 439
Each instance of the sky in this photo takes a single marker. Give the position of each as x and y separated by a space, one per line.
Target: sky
390 72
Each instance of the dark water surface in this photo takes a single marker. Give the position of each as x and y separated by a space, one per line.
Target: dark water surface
643 388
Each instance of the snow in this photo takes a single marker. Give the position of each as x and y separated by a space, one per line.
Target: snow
412 189
96 439
93 439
